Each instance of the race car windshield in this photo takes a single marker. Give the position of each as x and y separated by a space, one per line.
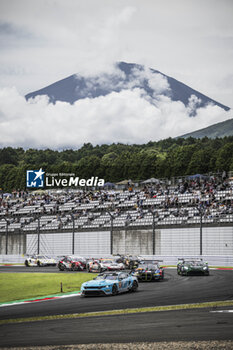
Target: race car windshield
107 261
152 266
148 266
194 262
107 277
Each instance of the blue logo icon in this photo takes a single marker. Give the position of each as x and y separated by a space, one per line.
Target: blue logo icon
35 178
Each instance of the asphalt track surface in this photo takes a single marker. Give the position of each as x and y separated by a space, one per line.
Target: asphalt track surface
194 324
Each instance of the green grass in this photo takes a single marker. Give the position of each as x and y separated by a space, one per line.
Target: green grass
16 286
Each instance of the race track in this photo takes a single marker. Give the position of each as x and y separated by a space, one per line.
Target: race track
201 324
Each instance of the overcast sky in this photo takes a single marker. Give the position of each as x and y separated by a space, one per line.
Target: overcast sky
47 40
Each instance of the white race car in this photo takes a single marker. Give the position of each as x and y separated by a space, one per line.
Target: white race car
40 260
104 265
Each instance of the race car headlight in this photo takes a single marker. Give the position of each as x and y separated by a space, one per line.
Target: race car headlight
186 267
106 286
205 268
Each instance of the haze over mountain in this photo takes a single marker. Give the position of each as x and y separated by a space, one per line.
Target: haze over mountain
126 76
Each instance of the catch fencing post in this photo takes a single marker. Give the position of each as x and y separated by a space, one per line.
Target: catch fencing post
6 236
153 231
111 233
201 232
73 229
38 235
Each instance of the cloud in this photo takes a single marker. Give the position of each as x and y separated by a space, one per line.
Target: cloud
194 103
125 116
156 81
116 80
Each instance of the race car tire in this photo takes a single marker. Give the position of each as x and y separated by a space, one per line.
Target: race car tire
26 263
61 268
134 287
131 265
39 264
74 267
114 290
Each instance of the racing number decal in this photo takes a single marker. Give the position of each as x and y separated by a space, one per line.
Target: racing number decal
146 277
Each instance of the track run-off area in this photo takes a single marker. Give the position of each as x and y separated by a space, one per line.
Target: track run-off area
193 308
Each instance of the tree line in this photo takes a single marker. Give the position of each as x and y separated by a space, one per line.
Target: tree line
115 162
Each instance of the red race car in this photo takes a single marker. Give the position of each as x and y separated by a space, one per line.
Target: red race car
72 263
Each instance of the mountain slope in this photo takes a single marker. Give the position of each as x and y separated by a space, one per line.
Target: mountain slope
126 76
216 130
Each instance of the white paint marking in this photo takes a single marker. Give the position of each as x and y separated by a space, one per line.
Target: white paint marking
225 311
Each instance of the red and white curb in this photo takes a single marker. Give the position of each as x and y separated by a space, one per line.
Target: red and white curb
48 298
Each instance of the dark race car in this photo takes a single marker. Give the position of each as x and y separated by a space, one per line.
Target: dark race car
192 266
72 263
131 262
149 270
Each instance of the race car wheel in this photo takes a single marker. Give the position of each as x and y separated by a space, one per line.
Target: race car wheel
114 290
134 287
61 267
26 263
131 265
39 263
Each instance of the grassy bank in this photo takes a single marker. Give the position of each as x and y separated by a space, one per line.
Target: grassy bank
16 286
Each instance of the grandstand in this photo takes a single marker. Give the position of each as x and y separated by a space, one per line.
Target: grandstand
189 203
